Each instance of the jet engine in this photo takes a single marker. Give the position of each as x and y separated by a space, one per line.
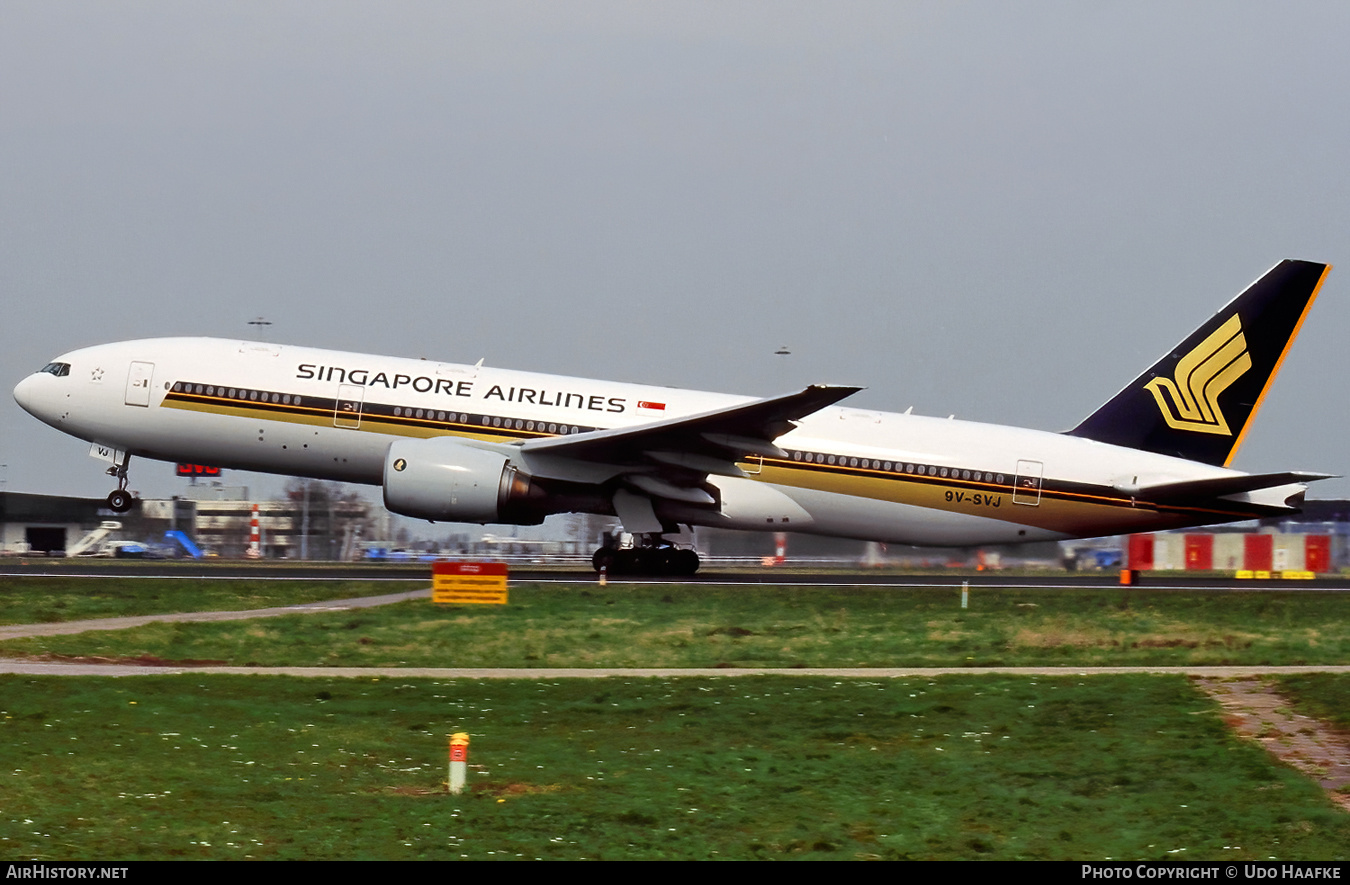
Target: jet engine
448 480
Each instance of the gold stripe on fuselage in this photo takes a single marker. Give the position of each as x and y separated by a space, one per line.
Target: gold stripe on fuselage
1058 509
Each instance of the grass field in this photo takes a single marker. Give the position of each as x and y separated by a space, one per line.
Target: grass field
707 626
963 767
220 767
1323 696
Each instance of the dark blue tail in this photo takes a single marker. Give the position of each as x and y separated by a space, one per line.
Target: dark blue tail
1198 401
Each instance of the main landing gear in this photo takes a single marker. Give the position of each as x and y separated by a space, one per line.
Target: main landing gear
120 500
652 556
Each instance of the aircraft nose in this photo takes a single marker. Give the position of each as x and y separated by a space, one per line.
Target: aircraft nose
25 394
36 396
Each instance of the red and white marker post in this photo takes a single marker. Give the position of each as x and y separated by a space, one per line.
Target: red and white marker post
459 761
254 536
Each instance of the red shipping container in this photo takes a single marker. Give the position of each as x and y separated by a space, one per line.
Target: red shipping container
1317 553
1140 553
1258 552
1199 552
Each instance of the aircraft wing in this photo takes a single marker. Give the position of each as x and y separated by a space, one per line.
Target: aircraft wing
726 434
672 458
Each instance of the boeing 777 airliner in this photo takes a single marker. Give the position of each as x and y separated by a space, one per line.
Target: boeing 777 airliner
460 443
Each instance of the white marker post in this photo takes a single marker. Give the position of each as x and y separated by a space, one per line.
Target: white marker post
965 594
459 761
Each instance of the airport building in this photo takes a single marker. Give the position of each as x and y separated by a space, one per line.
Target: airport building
221 524
46 524
1261 551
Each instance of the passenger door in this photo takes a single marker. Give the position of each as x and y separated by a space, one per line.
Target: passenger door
138 383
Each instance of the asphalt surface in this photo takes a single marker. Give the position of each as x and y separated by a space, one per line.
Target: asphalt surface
788 576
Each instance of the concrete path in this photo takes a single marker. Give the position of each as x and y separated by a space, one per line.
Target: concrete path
94 667
66 628
1257 712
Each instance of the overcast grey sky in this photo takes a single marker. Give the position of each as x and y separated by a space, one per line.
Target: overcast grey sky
999 210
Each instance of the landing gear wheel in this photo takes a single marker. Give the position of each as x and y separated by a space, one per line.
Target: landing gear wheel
626 562
645 561
603 559
119 501
684 563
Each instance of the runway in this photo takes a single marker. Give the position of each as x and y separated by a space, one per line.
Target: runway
787 576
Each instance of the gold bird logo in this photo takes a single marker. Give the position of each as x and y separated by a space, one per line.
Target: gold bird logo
1190 401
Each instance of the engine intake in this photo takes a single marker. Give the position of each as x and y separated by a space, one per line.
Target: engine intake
444 479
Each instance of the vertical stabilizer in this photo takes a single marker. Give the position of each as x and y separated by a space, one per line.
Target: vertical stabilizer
1198 401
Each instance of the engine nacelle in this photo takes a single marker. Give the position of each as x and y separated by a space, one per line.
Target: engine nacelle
444 479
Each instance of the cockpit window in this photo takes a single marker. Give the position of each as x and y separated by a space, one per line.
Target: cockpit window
60 370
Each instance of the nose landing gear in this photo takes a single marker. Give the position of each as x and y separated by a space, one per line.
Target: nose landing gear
120 500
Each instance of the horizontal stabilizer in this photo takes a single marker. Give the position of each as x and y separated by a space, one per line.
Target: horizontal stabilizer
1219 486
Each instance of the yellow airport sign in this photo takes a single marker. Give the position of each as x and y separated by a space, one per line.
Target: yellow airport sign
456 583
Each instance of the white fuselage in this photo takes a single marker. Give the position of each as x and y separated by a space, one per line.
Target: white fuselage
854 473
